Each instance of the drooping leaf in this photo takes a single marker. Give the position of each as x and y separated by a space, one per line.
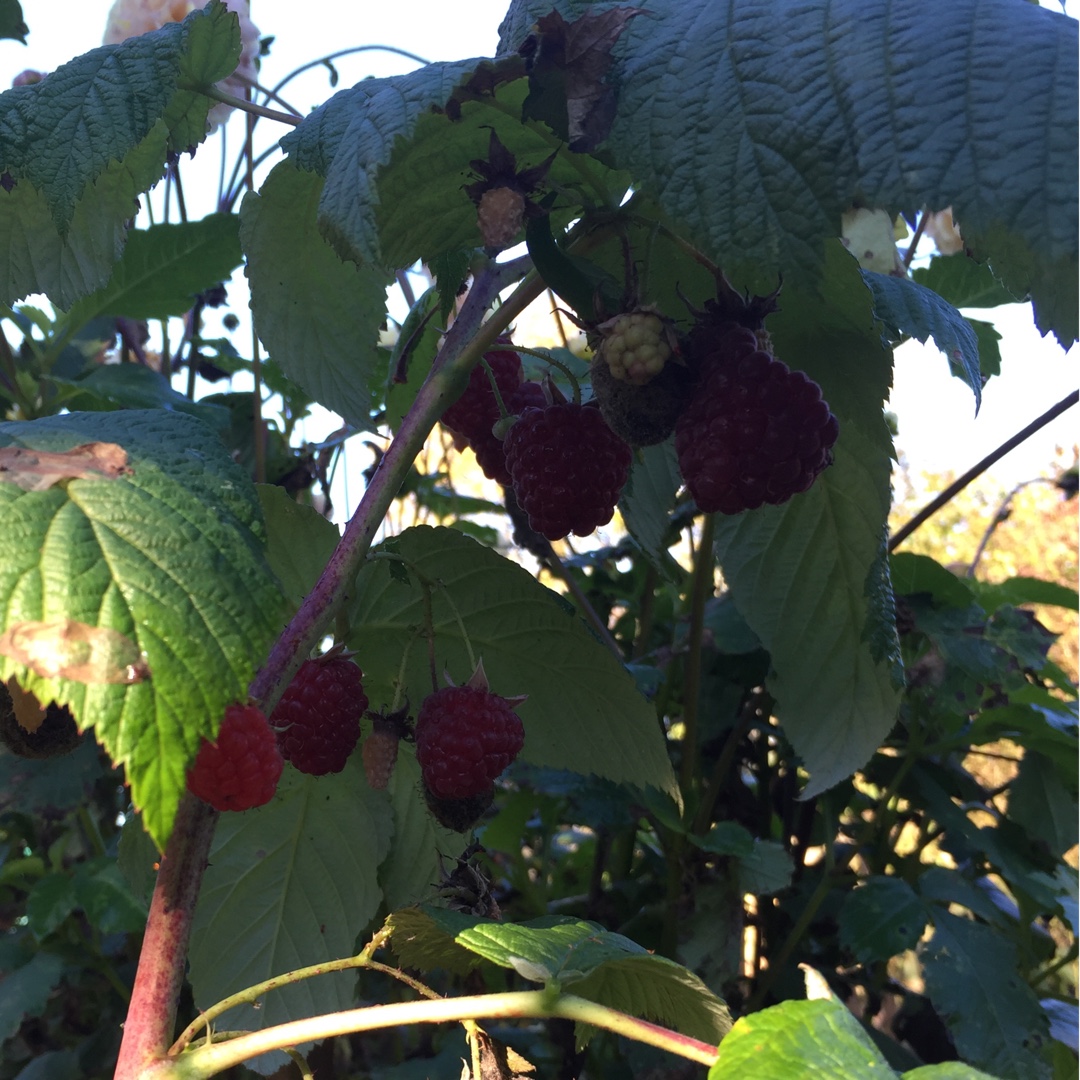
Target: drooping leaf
881 918
817 1038
648 499
583 711
581 957
82 144
909 307
163 268
993 1016
289 883
318 316
963 282
168 556
788 121
810 576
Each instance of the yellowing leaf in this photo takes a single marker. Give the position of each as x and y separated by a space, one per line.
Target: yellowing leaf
64 648
37 470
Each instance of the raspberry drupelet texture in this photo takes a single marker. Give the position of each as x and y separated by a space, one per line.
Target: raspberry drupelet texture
240 769
753 431
635 346
465 737
567 468
317 719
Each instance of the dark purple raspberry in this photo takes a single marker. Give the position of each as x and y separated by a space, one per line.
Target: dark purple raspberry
567 468
465 737
753 432
489 449
317 719
239 769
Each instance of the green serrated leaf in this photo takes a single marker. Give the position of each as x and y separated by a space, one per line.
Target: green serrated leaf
27 990
725 838
1042 802
989 352
963 282
104 896
788 173
318 316
766 869
163 268
797 1039
649 498
916 310
83 143
300 541
881 918
583 711
809 576
1023 590
168 556
993 1016
288 883
920 574
583 958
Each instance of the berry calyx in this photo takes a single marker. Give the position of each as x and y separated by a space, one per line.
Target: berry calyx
636 345
754 431
240 768
567 468
317 720
465 737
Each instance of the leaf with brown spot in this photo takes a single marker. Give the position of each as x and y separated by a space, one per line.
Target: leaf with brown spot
66 649
567 65
38 470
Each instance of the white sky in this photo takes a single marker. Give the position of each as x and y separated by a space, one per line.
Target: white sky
938 429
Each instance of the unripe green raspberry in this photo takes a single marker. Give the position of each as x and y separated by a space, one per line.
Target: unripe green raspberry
635 346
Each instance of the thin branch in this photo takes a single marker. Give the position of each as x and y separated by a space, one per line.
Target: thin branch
958 485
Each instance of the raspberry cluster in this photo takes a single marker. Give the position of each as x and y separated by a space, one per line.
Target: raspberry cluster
317 720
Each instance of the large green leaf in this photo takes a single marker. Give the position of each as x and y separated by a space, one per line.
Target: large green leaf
81 145
169 559
648 500
993 1016
963 281
810 576
318 315
288 884
163 268
881 918
300 541
583 711
798 1039
581 957
757 127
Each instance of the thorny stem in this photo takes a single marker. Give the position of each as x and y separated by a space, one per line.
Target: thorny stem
207 1060
962 482
149 1027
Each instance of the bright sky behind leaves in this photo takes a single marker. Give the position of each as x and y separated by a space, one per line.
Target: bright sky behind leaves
938 429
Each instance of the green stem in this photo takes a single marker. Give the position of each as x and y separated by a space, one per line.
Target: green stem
240 103
1056 966
205 1061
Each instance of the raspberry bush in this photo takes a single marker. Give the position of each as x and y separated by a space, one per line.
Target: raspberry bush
773 783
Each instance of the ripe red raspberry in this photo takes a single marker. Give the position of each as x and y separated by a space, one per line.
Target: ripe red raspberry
476 412
753 432
567 468
465 737
241 767
317 719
